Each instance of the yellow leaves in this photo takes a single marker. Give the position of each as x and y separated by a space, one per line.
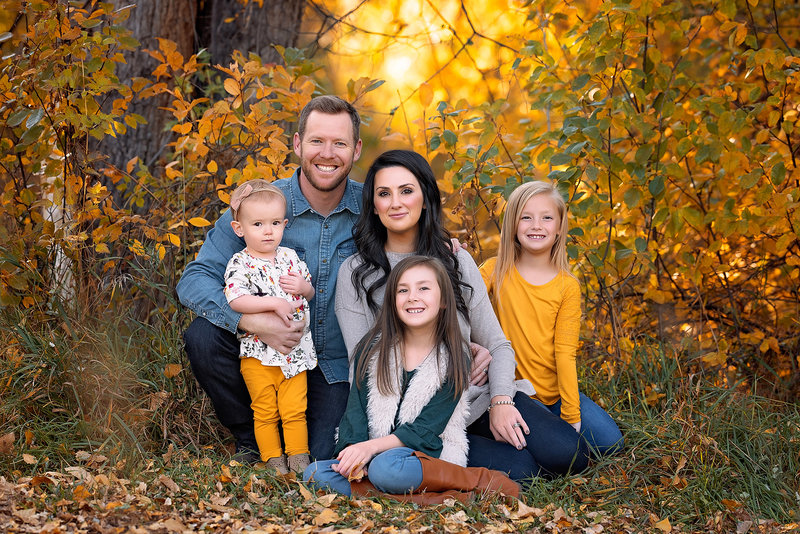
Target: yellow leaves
715 358
658 296
138 248
212 167
425 95
325 517
172 370
232 87
200 222
663 525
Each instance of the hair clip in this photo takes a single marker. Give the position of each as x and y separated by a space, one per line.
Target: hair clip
236 202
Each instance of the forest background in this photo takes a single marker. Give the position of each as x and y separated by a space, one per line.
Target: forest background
671 127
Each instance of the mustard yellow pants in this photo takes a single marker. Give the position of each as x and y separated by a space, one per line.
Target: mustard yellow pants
276 399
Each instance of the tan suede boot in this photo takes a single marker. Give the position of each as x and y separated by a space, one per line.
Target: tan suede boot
298 462
279 464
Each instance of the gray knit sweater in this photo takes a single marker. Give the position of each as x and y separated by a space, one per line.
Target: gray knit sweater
356 318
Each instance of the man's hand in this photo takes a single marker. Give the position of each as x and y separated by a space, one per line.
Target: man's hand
480 365
280 335
507 424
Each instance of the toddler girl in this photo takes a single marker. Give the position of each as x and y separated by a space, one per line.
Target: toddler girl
265 277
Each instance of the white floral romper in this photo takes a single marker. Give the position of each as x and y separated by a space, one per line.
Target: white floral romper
248 275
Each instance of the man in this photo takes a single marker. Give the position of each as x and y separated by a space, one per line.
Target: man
323 205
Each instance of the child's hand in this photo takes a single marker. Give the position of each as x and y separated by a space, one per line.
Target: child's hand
295 284
285 311
353 460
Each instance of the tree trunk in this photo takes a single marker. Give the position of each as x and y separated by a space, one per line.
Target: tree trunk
220 26
226 25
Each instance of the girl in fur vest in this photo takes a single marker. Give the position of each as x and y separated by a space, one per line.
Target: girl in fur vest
404 430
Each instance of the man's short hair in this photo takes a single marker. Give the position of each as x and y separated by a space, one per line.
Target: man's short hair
330 105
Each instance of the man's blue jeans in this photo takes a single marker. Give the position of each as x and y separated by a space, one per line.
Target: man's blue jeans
396 471
214 357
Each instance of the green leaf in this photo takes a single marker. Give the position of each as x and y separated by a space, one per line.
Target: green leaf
16 118
450 138
749 180
91 23
778 173
374 85
641 244
684 146
656 186
561 159
31 135
643 154
632 197
436 140
580 81
34 118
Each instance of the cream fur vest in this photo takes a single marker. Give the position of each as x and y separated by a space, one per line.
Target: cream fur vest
428 379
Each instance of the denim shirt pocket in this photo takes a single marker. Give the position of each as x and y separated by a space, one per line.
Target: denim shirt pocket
345 251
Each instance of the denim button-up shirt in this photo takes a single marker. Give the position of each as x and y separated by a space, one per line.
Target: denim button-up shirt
322 242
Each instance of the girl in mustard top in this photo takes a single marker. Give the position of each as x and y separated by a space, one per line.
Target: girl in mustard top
538 303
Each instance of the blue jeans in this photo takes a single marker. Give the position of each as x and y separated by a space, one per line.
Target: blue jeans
396 471
214 357
553 447
597 427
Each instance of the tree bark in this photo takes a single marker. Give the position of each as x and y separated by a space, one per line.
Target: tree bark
220 26
226 25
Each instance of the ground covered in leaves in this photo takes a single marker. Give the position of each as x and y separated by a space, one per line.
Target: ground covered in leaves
183 492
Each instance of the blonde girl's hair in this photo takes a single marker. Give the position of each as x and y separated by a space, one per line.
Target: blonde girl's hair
254 189
510 249
384 341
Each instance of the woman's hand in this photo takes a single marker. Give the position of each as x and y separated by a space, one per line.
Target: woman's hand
480 365
507 424
353 460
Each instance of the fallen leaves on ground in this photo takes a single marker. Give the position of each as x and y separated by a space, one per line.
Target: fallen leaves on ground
208 497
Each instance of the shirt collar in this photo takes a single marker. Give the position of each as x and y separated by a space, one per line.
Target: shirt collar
351 200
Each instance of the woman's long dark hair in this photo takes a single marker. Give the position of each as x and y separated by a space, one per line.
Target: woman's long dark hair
385 339
433 239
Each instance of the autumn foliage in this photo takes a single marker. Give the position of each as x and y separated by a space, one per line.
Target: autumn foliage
671 127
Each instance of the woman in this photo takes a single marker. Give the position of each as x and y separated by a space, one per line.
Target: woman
401 215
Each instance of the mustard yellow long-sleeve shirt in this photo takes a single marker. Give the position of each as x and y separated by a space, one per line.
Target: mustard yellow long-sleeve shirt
542 323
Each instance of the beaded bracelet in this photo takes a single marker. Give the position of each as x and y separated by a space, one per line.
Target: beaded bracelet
509 402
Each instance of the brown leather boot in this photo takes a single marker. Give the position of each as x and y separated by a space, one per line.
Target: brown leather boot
439 475
443 480
364 488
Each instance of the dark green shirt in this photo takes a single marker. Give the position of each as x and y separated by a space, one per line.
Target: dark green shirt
422 434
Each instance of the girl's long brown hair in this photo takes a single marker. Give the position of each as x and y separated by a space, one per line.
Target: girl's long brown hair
384 341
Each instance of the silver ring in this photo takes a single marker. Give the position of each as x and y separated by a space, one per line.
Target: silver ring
516 425
485 369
